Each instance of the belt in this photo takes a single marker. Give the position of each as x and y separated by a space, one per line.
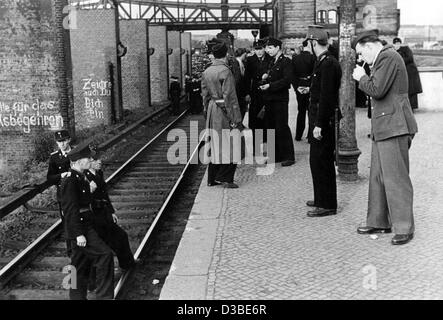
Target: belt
85 210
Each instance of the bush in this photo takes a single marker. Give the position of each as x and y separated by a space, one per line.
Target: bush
44 144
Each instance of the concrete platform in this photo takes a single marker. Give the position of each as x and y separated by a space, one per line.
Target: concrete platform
256 242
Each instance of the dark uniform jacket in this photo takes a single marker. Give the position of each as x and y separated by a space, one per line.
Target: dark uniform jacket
255 68
76 204
280 79
303 66
388 87
101 203
413 75
58 163
175 89
326 80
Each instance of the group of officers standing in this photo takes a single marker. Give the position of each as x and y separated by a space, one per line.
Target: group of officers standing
316 75
264 84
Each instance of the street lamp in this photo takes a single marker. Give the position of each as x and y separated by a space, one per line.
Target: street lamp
254 34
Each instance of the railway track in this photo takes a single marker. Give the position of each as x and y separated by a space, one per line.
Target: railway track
141 189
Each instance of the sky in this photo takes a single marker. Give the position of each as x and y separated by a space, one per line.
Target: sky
421 12
411 12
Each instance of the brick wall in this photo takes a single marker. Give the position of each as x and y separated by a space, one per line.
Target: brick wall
93 47
175 62
158 39
134 65
34 95
296 15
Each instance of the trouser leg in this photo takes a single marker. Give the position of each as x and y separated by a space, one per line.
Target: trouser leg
394 160
119 243
283 135
303 101
80 274
226 172
212 172
97 251
378 213
323 172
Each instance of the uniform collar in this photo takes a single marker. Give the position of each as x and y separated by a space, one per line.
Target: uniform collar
64 154
323 55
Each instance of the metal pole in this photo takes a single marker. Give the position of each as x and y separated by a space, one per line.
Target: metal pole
348 150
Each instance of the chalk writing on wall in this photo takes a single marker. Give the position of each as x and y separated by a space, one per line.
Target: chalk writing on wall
93 92
27 115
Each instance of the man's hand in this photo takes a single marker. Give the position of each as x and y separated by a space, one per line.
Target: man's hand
81 241
264 87
93 186
66 174
358 73
317 133
114 218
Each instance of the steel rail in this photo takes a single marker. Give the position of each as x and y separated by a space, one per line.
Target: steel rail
124 278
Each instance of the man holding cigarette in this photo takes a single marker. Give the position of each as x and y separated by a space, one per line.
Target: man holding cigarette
393 128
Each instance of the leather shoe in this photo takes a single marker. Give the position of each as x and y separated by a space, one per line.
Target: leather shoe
229 185
310 203
400 239
287 163
371 230
320 212
211 184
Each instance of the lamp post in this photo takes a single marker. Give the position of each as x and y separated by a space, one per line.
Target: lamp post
254 34
348 150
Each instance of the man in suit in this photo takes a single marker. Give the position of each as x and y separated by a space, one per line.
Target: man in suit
303 66
393 128
276 97
87 248
257 65
326 80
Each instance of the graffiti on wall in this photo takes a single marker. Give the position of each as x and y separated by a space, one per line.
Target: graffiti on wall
27 115
93 93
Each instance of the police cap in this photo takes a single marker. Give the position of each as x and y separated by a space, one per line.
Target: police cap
259 44
81 151
364 36
318 33
274 42
61 135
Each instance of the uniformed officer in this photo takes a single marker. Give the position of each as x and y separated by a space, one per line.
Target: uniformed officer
88 249
323 103
174 94
257 65
59 164
303 65
276 96
104 218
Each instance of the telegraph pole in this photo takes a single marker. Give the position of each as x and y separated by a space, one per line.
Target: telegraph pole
348 150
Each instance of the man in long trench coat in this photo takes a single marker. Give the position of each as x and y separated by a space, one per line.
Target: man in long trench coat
223 119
